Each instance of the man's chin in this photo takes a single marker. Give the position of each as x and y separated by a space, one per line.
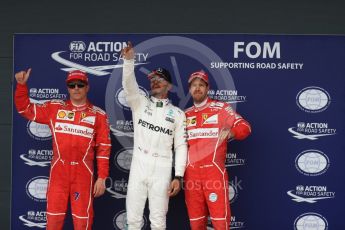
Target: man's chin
154 92
198 100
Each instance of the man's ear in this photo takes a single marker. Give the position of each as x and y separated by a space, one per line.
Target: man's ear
170 86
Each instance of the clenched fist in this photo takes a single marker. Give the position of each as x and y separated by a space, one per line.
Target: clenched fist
22 76
128 52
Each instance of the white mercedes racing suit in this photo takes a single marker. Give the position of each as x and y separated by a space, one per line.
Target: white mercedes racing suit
158 127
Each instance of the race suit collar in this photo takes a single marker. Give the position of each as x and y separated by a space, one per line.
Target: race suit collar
78 107
202 104
157 101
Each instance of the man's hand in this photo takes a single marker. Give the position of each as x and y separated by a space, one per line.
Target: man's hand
225 134
174 188
99 187
22 76
128 52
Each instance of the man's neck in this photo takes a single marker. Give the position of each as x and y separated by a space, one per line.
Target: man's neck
198 105
78 103
160 96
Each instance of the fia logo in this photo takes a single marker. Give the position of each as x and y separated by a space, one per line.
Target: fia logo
77 46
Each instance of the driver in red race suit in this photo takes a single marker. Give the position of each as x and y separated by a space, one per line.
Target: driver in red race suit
80 133
210 124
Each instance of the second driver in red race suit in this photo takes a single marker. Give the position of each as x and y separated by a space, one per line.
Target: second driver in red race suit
210 124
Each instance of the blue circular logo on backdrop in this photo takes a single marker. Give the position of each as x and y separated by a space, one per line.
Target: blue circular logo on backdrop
312 162
233 193
311 221
120 221
123 159
39 131
36 188
313 99
120 97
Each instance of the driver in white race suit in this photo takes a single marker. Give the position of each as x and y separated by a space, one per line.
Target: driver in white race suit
158 128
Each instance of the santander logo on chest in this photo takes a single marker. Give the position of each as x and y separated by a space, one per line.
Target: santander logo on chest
72 129
203 133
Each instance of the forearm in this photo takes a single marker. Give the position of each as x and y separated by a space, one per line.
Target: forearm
102 157
103 168
241 129
180 159
21 98
129 82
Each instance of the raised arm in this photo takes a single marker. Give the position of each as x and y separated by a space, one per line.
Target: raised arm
31 111
129 83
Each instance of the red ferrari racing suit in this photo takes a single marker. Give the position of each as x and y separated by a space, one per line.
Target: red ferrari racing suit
79 135
206 178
